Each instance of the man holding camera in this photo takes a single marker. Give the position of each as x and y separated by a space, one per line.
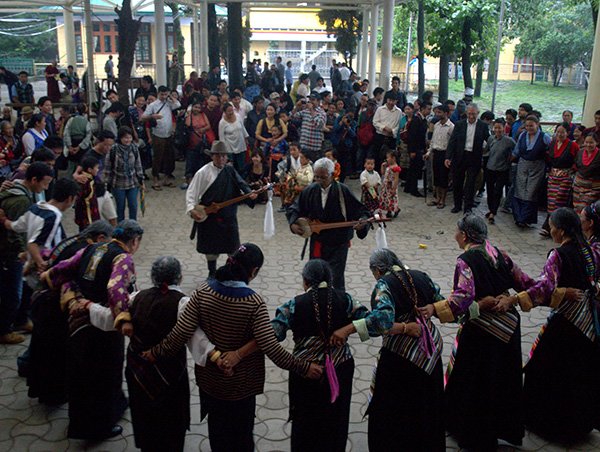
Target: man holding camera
159 113
313 120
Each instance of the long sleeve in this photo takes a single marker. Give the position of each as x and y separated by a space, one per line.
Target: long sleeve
452 143
283 319
122 273
199 345
462 297
377 121
67 133
64 270
544 291
381 318
87 140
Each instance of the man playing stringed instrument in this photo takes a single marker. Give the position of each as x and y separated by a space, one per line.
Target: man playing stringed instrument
216 182
329 201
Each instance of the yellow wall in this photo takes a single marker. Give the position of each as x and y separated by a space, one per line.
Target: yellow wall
291 19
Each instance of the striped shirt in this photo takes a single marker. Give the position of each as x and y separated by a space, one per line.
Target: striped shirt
311 132
231 314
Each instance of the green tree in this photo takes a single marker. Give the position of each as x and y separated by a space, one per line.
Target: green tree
562 36
34 37
346 26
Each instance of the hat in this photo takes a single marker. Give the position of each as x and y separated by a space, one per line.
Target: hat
315 96
274 96
372 101
26 110
218 147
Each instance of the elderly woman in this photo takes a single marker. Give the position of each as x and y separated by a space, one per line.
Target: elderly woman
561 396
8 145
103 274
586 187
484 382
406 410
531 170
48 348
231 314
562 153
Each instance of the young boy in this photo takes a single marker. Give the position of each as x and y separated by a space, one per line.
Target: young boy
288 167
332 155
298 181
86 206
369 182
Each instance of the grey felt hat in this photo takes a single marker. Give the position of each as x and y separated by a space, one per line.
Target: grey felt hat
218 147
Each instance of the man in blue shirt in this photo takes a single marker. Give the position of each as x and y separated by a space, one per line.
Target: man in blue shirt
519 125
289 77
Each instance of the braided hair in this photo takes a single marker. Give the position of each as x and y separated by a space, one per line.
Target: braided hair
314 273
476 232
386 260
240 264
592 212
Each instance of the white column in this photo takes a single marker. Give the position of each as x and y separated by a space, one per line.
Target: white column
204 36
592 99
302 57
89 47
408 47
373 47
196 64
70 36
358 59
386 44
161 42
364 45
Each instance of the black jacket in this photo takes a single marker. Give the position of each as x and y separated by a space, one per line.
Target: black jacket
456 146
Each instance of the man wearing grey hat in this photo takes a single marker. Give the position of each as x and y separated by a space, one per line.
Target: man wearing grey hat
216 182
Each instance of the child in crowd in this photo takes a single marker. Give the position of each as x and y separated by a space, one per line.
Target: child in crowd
388 195
289 165
332 155
86 205
293 134
277 153
299 180
370 180
257 174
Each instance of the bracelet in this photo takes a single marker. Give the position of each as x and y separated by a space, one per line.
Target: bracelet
404 332
87 303
216 355
238 355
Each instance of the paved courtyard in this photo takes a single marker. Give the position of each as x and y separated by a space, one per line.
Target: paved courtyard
26 425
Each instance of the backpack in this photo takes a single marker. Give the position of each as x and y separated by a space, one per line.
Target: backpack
366 132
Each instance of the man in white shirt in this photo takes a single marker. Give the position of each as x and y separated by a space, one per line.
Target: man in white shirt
345 72
386 121
442 131
163 161
216 182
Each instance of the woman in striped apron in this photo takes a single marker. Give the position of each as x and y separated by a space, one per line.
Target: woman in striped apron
406 408
483 381
561 393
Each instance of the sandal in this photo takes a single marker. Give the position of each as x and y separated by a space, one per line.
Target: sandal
157 187
491 220
544 233
432 203
441 205
169 185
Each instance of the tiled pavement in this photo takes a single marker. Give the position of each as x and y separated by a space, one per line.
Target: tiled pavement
27 426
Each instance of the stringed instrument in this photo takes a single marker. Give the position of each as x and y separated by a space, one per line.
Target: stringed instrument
310 227
205 211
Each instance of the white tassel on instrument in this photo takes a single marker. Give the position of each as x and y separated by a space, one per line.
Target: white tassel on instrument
269 229
380 237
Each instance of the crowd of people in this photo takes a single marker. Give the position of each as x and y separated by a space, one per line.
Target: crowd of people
77 295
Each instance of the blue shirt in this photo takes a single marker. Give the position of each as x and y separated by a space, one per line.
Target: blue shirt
289 78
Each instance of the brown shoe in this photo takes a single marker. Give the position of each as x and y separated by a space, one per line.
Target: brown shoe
25 328
11 338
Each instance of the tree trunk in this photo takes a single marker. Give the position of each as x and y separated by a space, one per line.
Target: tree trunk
443 88
466 53
491 69
128 36
213 37
180 40
421 46
532 71
234 36
478 80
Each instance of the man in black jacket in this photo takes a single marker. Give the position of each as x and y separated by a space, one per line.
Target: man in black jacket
329 202
417 137
464 157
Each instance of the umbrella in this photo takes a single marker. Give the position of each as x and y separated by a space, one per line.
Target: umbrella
143 199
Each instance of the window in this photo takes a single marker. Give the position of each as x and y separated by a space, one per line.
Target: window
78 48
143 47
526 64
107 44
106 28
171 41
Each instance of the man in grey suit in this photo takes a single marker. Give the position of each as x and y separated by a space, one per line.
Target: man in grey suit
464 157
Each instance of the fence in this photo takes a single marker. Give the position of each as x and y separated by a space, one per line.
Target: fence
302 60
15 65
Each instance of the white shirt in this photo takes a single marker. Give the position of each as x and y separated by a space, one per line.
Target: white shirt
247 105
384 117
203 179
470 136
302 90
441 135
241 113
233 135
29 141
345 73
370 178
164 125
324 195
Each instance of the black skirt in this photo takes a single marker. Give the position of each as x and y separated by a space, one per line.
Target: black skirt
159 425
406 411
94 381
317 424
47 362
562 391
484 390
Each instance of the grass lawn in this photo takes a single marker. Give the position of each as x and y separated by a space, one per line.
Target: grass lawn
549 100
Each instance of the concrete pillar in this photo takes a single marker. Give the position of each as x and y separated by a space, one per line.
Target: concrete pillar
204 36
161 42
196 63
302 58
70 36
408 50
373 47
364 45
592 99
89 47
386 44
358 59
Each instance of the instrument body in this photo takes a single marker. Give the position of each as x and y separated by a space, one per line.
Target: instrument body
205 211
310 227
